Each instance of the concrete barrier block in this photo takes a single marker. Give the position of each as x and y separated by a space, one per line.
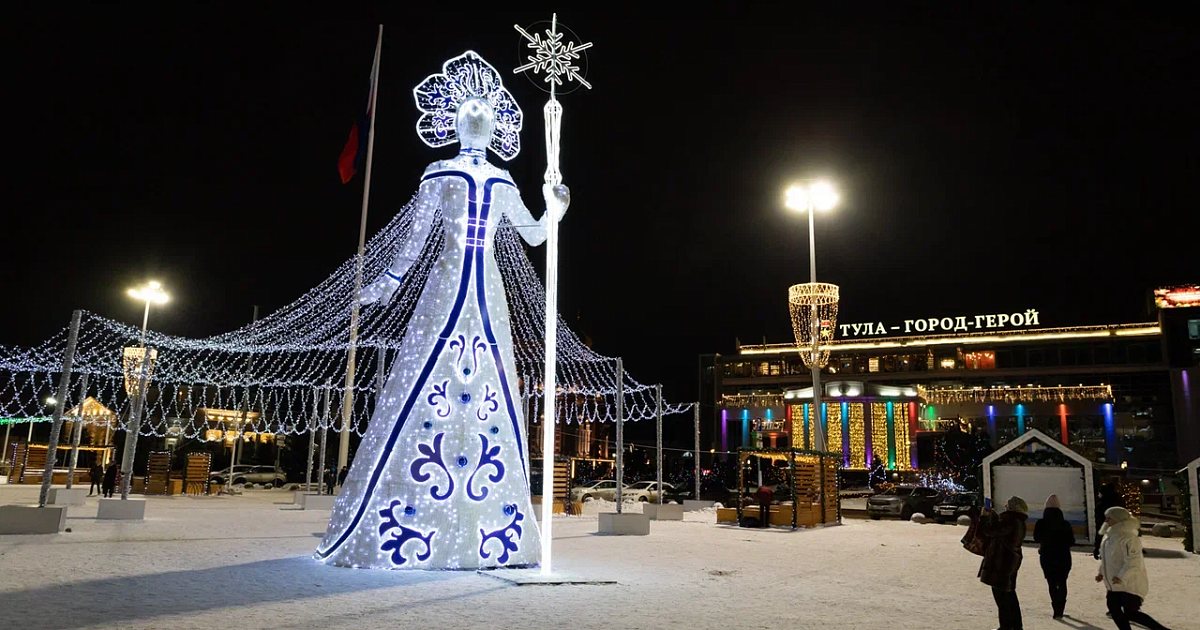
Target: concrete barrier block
31 519
63 496
624 524
319 501
665 512
691 505
118 510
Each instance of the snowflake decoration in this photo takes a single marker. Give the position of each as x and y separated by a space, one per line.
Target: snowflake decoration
553 57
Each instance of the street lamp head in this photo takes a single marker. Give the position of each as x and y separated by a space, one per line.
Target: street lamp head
151 293
797 198
818 195
50 400
824 197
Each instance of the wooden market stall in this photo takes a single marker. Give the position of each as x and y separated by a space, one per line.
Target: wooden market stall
29 463
813 487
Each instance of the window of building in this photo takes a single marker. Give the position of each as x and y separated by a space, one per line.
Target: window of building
1004 358
1137 353
1036 359
980 360
873 364
1102 355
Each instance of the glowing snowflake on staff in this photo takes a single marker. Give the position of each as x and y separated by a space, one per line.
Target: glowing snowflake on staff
552 56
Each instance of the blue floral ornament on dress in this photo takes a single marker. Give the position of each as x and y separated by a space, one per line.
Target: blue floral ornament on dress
463 77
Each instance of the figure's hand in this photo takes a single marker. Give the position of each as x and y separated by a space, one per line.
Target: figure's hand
558 198
1099 578
379 291
1116 580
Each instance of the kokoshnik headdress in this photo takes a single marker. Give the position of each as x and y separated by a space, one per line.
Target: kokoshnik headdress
463 77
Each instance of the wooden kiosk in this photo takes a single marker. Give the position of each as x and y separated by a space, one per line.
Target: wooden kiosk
812 483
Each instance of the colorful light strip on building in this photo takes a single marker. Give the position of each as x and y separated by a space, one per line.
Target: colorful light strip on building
858 433
1043 334
1011 395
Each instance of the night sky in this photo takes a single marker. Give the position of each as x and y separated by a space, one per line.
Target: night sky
986 165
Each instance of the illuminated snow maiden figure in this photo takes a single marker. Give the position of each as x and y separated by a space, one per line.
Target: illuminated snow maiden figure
440 479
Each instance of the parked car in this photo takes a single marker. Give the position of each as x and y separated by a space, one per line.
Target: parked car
605 489
251 474
956 505
904 501
678 494
647 491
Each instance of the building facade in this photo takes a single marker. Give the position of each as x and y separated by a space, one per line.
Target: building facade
1121 395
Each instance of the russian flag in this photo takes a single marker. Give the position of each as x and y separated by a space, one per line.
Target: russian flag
355 151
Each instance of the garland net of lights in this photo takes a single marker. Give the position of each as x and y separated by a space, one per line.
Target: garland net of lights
283 363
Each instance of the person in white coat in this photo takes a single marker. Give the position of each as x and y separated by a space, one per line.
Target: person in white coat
1123 570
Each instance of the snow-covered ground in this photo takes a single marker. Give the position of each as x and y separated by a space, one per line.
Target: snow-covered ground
240 563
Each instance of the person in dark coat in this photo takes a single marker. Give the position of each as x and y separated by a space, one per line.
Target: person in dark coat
341 480
764 496
330 478
97 475
1002 558
110 480
1056 538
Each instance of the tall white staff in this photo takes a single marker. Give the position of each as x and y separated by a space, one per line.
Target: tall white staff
556 59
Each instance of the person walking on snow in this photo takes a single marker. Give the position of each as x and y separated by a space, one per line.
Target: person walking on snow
1056 538
97 475
1002 558
764 496
1123 570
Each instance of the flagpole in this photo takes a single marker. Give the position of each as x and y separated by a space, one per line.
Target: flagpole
348 392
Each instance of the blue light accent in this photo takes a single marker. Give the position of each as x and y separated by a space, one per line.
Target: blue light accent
504 536
427 424
1111 450
466 371
419 384
432 456
806 422
465 397
495 430
409 510
510 509
768 413
1020 419
481 294
396 542
394 276
991 412
746 427
489 405
439 393
486 459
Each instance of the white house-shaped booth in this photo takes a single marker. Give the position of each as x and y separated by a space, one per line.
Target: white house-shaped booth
1035 466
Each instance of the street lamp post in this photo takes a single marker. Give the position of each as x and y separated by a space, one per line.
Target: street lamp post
150 293
809 197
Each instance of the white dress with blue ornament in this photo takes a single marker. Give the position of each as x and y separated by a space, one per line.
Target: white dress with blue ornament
440 480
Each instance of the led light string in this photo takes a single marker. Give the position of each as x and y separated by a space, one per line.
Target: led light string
302 346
